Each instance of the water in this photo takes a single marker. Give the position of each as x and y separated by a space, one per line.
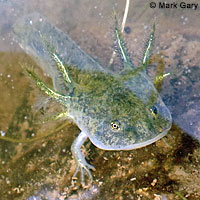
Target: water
169 168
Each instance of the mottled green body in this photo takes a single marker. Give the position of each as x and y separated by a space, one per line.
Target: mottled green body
116 111
100 98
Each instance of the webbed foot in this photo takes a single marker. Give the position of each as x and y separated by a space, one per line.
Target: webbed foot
81 164
84 168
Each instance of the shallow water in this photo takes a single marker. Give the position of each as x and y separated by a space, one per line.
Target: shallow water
167 169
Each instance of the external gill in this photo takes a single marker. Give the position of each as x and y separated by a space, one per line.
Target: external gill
122 47
59 63
43 87
61 115
160 68
61 68
160 78
157 58
147 53
145 60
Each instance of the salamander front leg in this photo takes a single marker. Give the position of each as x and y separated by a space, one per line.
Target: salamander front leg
81 163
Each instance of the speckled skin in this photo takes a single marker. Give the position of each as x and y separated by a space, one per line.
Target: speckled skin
102 98
99 99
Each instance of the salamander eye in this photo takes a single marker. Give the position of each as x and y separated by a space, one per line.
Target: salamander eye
115 126
154 111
